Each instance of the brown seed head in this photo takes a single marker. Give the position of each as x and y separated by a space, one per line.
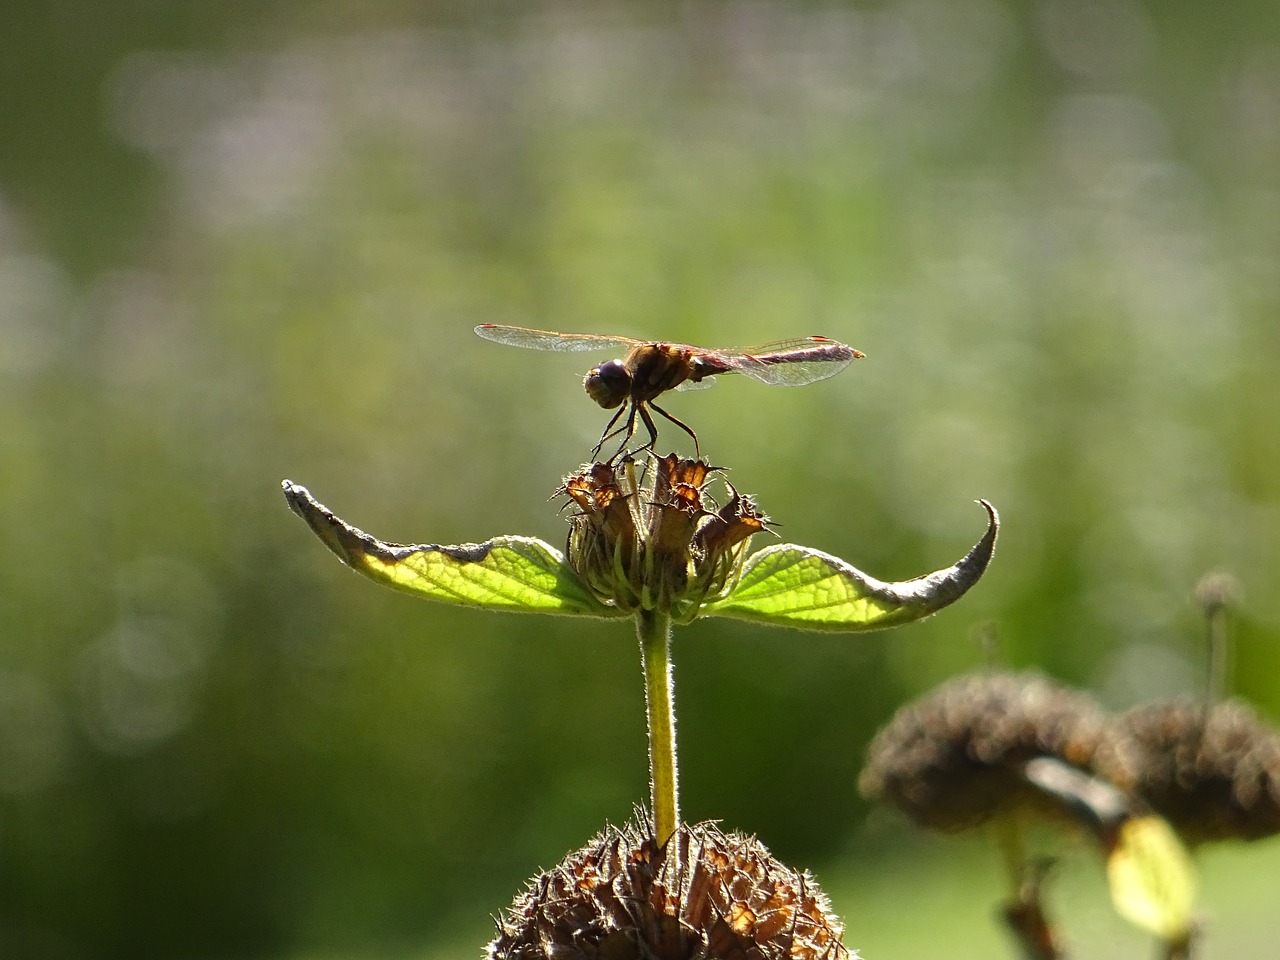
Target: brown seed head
1212 772
622 897
951 760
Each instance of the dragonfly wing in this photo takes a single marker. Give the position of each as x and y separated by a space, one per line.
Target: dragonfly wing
702 384
550 339
791 363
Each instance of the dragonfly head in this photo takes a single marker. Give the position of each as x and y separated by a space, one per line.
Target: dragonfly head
608 384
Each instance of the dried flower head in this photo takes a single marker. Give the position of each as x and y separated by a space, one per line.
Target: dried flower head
1212 771
1218 591
953 759
665 546
623 897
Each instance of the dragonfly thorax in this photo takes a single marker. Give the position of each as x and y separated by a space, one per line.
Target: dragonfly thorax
656 368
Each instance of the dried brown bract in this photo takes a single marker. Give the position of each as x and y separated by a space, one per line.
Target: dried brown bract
622 897
1212 771
953 759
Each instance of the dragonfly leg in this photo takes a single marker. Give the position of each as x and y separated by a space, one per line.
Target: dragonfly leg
610 432
649 425
679 423
628 430
631 430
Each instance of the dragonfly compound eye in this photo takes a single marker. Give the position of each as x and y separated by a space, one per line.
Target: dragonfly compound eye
608 384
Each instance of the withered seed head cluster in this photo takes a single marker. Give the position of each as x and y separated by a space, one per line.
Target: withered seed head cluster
666 546
951 760
954 758
1212 772
622 897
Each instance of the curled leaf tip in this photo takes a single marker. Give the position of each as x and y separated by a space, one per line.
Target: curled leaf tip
944 587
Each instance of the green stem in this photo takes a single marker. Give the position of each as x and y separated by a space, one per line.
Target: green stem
1024 914
654 630
1219 654
1013 856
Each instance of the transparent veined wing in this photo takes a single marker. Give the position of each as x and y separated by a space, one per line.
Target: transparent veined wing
550 339
785 363
705 383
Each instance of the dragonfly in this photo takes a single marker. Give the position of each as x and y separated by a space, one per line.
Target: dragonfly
649 368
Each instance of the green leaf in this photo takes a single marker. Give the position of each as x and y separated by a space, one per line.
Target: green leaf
796 586
505 573
1151 878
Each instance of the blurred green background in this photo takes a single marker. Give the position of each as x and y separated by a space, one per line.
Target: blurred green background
242 242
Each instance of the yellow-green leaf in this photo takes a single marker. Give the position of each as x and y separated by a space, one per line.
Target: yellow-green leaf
795 586
1151 878
505 573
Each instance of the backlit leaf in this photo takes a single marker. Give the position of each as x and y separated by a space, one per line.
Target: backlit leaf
1151 878
505 573
795 586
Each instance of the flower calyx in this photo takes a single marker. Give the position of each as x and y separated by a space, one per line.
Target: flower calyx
661 542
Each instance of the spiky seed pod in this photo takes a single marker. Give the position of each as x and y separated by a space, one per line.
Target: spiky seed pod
1212 772
951 759
622 897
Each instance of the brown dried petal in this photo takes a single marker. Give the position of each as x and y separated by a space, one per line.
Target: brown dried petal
603 540
733 523
596 490
674 472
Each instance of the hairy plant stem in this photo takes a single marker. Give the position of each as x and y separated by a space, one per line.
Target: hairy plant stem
654 631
